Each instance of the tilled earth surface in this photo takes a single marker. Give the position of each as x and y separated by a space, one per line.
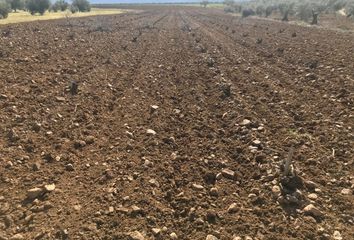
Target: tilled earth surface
183 127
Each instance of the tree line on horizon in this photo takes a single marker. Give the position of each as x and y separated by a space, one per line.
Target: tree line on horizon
41 6
305 10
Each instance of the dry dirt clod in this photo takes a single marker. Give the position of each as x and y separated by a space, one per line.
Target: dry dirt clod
214 192
34 193
36 166
69 167
79 144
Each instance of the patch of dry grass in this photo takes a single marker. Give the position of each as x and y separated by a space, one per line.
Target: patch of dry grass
23 16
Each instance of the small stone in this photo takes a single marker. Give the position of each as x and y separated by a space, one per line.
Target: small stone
198 187
248 238
256 143
13 136
135 210
227 173
69 167
310 185
237 238
122 210
312 196
211 237
111 209
8 221
173 235
313 211
153 108
148 163
60 99
36 127
346 191
232 208
156 231
34 193
214 192
337 235
77 207
90 139
17 236
276 189
154 183
9 164
136 235
49 187
245 122
151 132
79 144
310 76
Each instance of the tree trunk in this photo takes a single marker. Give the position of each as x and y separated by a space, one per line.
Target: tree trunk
314 18
286 16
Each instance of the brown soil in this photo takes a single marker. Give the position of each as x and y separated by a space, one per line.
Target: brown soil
207 72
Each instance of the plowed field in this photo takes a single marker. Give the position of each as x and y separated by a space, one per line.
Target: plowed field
182 123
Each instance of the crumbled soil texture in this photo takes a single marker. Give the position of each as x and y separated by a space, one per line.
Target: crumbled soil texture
181 123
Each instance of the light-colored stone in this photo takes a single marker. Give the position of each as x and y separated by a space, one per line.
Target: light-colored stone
173 236
312 196
136 235
211 237
153 182
17 236
245 122
198 187
276 189
34 193
227 173
156 231
151 132
49 187
337 235
346 191
313 211
232 208
214 192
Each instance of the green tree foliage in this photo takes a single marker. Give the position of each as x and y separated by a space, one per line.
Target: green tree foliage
4 9
60 5
81 5
16 4
73 9
37 6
